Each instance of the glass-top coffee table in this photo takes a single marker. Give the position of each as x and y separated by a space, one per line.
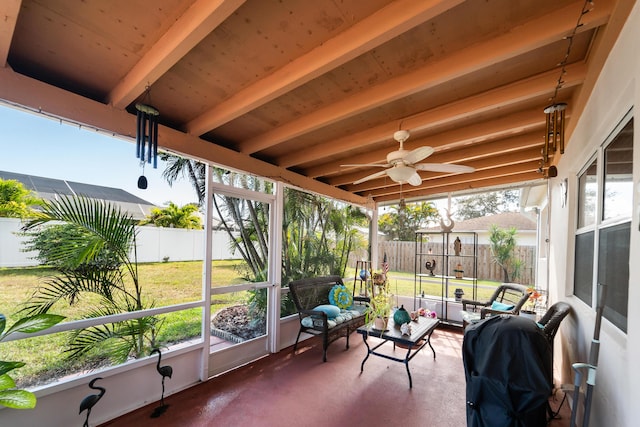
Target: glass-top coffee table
421 331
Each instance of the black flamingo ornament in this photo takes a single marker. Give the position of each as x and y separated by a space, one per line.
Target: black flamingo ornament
164 371
89 402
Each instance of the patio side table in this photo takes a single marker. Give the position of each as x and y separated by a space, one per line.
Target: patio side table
420 337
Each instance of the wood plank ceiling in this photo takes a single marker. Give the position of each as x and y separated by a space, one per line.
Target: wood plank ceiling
292 89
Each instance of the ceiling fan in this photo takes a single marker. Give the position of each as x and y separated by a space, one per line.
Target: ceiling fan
402 166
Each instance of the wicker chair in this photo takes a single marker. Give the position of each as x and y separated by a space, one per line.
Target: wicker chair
551 323
510 294
552 318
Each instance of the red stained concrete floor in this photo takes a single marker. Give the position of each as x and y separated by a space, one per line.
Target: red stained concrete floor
299 390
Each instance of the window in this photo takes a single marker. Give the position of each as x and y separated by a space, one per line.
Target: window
583 277
604 224
587 187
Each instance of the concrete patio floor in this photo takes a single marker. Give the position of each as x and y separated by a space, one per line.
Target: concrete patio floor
288 389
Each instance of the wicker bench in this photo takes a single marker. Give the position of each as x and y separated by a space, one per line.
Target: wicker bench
310 293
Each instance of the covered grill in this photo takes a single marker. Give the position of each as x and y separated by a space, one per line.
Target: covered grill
508 367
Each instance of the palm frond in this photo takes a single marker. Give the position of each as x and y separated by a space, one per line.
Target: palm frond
105 223
70 285
103 337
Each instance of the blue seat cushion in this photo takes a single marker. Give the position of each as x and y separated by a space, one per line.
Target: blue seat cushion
330 310
470 316
501 306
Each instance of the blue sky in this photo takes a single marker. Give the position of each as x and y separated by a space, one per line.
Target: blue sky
34 144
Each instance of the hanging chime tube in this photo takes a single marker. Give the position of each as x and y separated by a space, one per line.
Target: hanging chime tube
151 139
554 131
155 142
147 130
562 130
138 133
547 135
554 134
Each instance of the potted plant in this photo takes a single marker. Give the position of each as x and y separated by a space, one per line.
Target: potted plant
378 311
529 307
10 395
379 308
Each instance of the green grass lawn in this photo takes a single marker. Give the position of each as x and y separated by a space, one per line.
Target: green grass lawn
162 283
401 283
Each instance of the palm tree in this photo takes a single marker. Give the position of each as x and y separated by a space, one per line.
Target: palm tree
175 217
318 236
194 171
503 243
105 232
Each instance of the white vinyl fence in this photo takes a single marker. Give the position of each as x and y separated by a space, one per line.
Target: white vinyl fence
154 245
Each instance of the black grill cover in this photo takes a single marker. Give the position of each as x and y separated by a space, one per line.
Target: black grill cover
508 369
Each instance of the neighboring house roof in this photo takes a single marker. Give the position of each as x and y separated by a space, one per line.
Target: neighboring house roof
49 189
507 220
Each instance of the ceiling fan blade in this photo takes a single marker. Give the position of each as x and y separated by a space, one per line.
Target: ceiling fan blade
372 176
372 165
415 179
418 154
443 167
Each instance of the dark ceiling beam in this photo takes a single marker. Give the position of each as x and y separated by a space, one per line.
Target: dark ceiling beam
195 24
484 168
486 165
529 36
499 98
500 129
9 10
380 27
525 176
455 181
493 149
54 102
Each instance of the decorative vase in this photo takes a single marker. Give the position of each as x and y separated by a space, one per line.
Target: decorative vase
401 316
380 323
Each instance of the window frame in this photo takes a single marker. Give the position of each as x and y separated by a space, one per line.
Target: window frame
599 227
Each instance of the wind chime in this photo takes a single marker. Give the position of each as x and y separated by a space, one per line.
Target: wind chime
554 135
146 138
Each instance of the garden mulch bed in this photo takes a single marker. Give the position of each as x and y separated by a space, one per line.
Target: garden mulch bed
235 324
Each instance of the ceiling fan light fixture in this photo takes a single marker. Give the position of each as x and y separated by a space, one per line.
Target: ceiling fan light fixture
401 173
401 135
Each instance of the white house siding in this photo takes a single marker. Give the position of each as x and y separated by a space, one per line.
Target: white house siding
616 91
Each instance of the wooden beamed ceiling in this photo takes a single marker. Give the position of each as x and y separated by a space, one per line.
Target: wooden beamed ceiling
293 90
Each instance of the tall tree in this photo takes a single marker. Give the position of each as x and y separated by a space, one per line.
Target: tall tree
503 243
319 234
15 200
484 204
403 222
194 171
